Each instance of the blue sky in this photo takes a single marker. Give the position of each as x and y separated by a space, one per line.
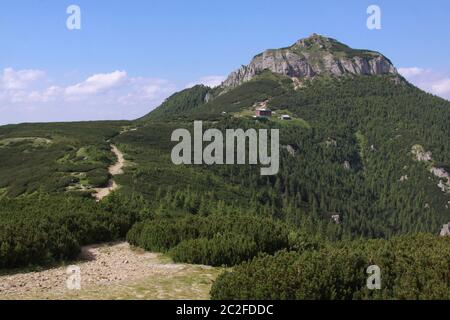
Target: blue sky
130 55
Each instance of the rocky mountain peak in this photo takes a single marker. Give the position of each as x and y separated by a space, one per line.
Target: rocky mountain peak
314 40
313 56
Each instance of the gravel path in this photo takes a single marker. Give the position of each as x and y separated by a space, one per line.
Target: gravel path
113 271
115 169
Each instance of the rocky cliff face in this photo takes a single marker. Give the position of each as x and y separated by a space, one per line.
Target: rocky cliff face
313 56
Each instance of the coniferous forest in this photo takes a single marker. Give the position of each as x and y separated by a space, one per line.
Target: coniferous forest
346 154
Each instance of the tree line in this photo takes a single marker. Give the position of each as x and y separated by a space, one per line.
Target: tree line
414 267
213 240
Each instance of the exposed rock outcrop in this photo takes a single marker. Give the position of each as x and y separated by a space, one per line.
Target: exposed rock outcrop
313 56
445 231
290 149
208 97
420 154
440 172
426 156
347 165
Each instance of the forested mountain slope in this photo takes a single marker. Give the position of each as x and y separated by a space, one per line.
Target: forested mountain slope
365 156
355 139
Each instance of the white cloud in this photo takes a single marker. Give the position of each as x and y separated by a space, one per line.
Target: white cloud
97 83
143 91
442 87
210 81
13 80
27 95
428 80
411 72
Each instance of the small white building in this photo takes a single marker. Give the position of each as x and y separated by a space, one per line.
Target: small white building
285 117
336 218
263 112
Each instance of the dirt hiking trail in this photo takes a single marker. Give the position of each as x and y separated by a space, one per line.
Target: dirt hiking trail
113 170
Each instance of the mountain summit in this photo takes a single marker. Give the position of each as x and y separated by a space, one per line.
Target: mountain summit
315 55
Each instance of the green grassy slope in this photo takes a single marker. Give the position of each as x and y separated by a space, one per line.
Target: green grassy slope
55 157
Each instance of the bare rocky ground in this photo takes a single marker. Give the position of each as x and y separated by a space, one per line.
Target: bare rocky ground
114 271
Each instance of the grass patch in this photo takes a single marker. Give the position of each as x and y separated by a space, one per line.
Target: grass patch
34 141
